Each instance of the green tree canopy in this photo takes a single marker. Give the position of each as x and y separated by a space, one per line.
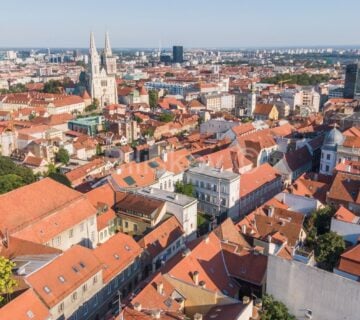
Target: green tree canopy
13 176
184 188
62 156
153 99
303 79
274 310
7 282
166 117
328 248
52 86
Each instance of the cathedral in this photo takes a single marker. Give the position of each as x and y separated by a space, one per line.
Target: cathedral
102 72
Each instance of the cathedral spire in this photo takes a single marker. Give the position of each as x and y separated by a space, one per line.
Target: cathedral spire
92 43
107 49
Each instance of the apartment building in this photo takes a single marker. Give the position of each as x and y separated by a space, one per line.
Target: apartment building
43 212
217 102
216 190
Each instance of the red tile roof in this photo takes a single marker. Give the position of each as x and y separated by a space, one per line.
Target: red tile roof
25 307
76 265
350 261
163 236
116 254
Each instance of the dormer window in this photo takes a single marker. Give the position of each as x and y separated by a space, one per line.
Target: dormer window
47 289
61 279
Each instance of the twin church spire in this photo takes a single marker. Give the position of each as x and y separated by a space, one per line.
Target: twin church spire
102 71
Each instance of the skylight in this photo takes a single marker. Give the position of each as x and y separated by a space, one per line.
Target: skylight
47 289
61 279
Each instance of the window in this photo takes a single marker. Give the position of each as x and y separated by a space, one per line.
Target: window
58 240
96 300
327 169
86 309
126 224
135 228
95 280
84 288
105 233
71 233
74 296
328 156
92 236
103 83
109 289
61 307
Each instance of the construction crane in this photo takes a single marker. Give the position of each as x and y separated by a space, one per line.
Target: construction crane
282 82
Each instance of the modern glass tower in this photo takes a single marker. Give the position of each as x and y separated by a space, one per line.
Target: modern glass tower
352 81
178 54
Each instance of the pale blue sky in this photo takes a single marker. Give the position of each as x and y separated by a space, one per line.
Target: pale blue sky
192 23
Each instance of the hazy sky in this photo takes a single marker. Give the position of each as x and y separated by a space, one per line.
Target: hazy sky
192 23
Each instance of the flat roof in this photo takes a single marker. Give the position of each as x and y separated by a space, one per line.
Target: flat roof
168 196
214 172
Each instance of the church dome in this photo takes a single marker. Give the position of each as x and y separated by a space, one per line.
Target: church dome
334 138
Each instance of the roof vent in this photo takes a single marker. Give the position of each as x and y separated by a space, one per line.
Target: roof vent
195 277
137 306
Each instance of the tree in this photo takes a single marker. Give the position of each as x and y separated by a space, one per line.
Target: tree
184 188
318 224
98 150
13 176
52 86
7 283
169 74
153 99
274 310
328 249
166 117
10 182
62 156
61 178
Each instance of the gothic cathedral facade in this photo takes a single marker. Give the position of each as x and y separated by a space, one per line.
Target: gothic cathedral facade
102 72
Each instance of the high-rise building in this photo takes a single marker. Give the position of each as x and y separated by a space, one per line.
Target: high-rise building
102 84
352 81
178 54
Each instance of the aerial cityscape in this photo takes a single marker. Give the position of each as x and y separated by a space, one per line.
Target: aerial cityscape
190 160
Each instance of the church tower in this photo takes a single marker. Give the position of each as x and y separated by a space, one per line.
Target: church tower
102 81
108 60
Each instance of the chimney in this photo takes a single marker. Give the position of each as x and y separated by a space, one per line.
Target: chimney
348 168
196 277
198 316
118 170
164 156
156 314
202 284
246 300
270 211
160 288
243 229
137 306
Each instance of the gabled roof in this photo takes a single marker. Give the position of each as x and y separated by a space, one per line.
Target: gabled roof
159 300
116 254
59 278
36 206
27 306
162 236
345 187
256 178
228 232
346 215
264 109
206 257
350 261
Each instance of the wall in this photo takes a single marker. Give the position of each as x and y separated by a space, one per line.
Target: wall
349 231
302 287
297 203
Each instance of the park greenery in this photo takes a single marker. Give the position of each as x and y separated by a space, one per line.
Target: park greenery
184 188
303 79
